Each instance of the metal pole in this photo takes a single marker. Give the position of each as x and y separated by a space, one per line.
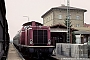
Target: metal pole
68 23
27 17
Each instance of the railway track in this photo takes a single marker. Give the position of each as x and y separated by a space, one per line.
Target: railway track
27 57
41 58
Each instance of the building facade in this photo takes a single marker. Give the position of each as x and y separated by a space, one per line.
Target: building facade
58 15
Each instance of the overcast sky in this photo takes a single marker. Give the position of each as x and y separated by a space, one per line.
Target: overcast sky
34 9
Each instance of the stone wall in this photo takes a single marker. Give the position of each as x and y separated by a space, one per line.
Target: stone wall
72 50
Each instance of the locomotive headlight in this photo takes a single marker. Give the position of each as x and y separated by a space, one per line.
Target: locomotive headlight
49 42
31 42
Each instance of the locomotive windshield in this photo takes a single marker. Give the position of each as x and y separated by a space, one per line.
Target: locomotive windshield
40 37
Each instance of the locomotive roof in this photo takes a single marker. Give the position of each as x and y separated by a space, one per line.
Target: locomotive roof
30 23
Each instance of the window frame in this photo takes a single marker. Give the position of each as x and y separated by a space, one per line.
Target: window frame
60 16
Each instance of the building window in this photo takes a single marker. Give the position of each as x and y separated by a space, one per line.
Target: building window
77 17
47 19
44 21
51 16
70 16
60 16
77 25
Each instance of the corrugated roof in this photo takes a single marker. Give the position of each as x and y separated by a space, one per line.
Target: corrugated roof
63 7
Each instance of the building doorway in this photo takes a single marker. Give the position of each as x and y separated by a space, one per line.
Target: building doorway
58 37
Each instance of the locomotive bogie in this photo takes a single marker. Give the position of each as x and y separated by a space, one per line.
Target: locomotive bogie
36 50
42 50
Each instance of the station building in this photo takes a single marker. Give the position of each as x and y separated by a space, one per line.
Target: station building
55 18
59 33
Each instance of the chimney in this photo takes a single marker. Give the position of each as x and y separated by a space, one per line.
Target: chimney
62 5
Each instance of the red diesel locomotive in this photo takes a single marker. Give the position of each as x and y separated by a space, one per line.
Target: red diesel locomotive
34 39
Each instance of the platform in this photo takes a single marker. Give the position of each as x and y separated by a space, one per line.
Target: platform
13 53
62 57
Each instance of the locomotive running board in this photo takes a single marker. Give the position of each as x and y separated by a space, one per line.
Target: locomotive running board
35 46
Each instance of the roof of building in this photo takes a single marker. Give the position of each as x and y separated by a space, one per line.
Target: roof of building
82 32
82 28
58 25
62 26
64 8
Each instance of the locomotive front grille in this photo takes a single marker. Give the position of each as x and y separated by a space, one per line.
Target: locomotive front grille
40 37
